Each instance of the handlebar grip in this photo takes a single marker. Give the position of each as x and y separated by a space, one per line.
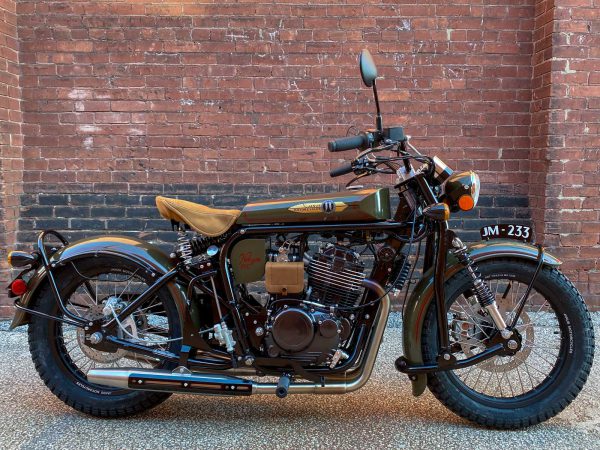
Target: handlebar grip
342 170
348 143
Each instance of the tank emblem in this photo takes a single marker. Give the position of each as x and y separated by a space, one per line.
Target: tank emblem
328 206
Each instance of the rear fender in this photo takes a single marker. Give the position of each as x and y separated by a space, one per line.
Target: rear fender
418 303
149 256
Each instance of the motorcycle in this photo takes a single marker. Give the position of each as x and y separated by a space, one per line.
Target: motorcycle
299 289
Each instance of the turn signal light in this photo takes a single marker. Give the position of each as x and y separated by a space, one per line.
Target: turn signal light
466 202
437 211
18 287
22 259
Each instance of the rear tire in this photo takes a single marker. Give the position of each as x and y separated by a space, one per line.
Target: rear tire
55 365
564 381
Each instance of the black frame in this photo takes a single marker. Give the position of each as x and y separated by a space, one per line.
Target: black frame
435 256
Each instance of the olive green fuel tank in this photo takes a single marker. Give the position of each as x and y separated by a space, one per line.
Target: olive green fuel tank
348 206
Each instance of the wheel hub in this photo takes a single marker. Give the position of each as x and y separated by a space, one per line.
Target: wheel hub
94 313
470 337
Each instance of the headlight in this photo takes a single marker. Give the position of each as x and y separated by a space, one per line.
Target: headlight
461 191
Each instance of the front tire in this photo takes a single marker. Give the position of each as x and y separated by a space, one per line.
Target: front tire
60 355
543 378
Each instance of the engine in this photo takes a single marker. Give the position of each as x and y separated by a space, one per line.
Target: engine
335 276
304 333
311 329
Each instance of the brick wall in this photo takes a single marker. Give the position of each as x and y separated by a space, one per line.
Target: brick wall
572 208
10 139
230 102
126 101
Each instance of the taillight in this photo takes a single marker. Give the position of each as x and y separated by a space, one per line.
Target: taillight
18 287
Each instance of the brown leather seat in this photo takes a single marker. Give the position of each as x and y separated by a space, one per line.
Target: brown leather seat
205 220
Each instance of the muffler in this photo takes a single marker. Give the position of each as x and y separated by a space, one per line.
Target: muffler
217 384
165 381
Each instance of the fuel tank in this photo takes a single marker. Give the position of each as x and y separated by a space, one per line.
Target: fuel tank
348 206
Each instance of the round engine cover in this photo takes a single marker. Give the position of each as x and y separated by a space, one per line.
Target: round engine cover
293 330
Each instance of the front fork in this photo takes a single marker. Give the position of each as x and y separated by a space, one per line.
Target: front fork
448 241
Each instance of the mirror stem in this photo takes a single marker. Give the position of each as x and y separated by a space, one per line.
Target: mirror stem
378 119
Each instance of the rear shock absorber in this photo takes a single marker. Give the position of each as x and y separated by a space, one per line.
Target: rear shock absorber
485 297
184 248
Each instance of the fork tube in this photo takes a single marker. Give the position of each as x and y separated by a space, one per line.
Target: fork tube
440 294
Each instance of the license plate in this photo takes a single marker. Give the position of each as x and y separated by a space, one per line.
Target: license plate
507 231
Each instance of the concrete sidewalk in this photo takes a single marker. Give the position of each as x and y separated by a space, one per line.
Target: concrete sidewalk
383 414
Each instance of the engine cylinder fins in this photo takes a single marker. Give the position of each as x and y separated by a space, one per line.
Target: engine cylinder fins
336 276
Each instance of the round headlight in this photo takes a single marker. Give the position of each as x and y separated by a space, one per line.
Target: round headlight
461 191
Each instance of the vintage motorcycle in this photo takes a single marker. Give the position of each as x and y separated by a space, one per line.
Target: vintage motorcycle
298 289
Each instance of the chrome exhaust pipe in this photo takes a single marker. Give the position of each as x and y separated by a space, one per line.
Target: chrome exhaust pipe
218 384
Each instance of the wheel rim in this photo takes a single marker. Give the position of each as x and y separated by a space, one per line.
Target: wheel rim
507 377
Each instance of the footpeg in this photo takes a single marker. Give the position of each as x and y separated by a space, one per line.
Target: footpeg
282 386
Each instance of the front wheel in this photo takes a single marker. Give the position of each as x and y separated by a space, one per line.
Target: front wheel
543 377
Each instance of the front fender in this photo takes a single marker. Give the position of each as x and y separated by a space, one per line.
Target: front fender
148 255
418 303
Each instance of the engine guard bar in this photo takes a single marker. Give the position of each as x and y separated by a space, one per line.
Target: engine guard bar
498 345
402 364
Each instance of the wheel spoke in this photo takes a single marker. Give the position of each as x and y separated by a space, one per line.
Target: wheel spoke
507 376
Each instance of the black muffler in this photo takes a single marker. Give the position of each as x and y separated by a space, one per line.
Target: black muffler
183 382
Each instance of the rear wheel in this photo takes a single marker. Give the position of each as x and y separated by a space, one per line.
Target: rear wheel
543 377
60 353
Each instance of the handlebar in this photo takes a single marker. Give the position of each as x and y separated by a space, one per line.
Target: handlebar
341 170
349 143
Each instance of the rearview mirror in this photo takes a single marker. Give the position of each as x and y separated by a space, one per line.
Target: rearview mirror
368 70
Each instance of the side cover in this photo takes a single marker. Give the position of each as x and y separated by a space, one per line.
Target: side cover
420 299
148 255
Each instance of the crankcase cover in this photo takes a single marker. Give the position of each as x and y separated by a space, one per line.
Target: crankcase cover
293 330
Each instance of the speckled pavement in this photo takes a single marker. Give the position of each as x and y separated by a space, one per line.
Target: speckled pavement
383 414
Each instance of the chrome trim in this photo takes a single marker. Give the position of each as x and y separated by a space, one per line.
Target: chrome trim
111 377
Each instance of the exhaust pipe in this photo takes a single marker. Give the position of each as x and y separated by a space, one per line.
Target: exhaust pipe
217 384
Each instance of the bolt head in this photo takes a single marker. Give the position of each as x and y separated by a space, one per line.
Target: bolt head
512 344
96 337
446 356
